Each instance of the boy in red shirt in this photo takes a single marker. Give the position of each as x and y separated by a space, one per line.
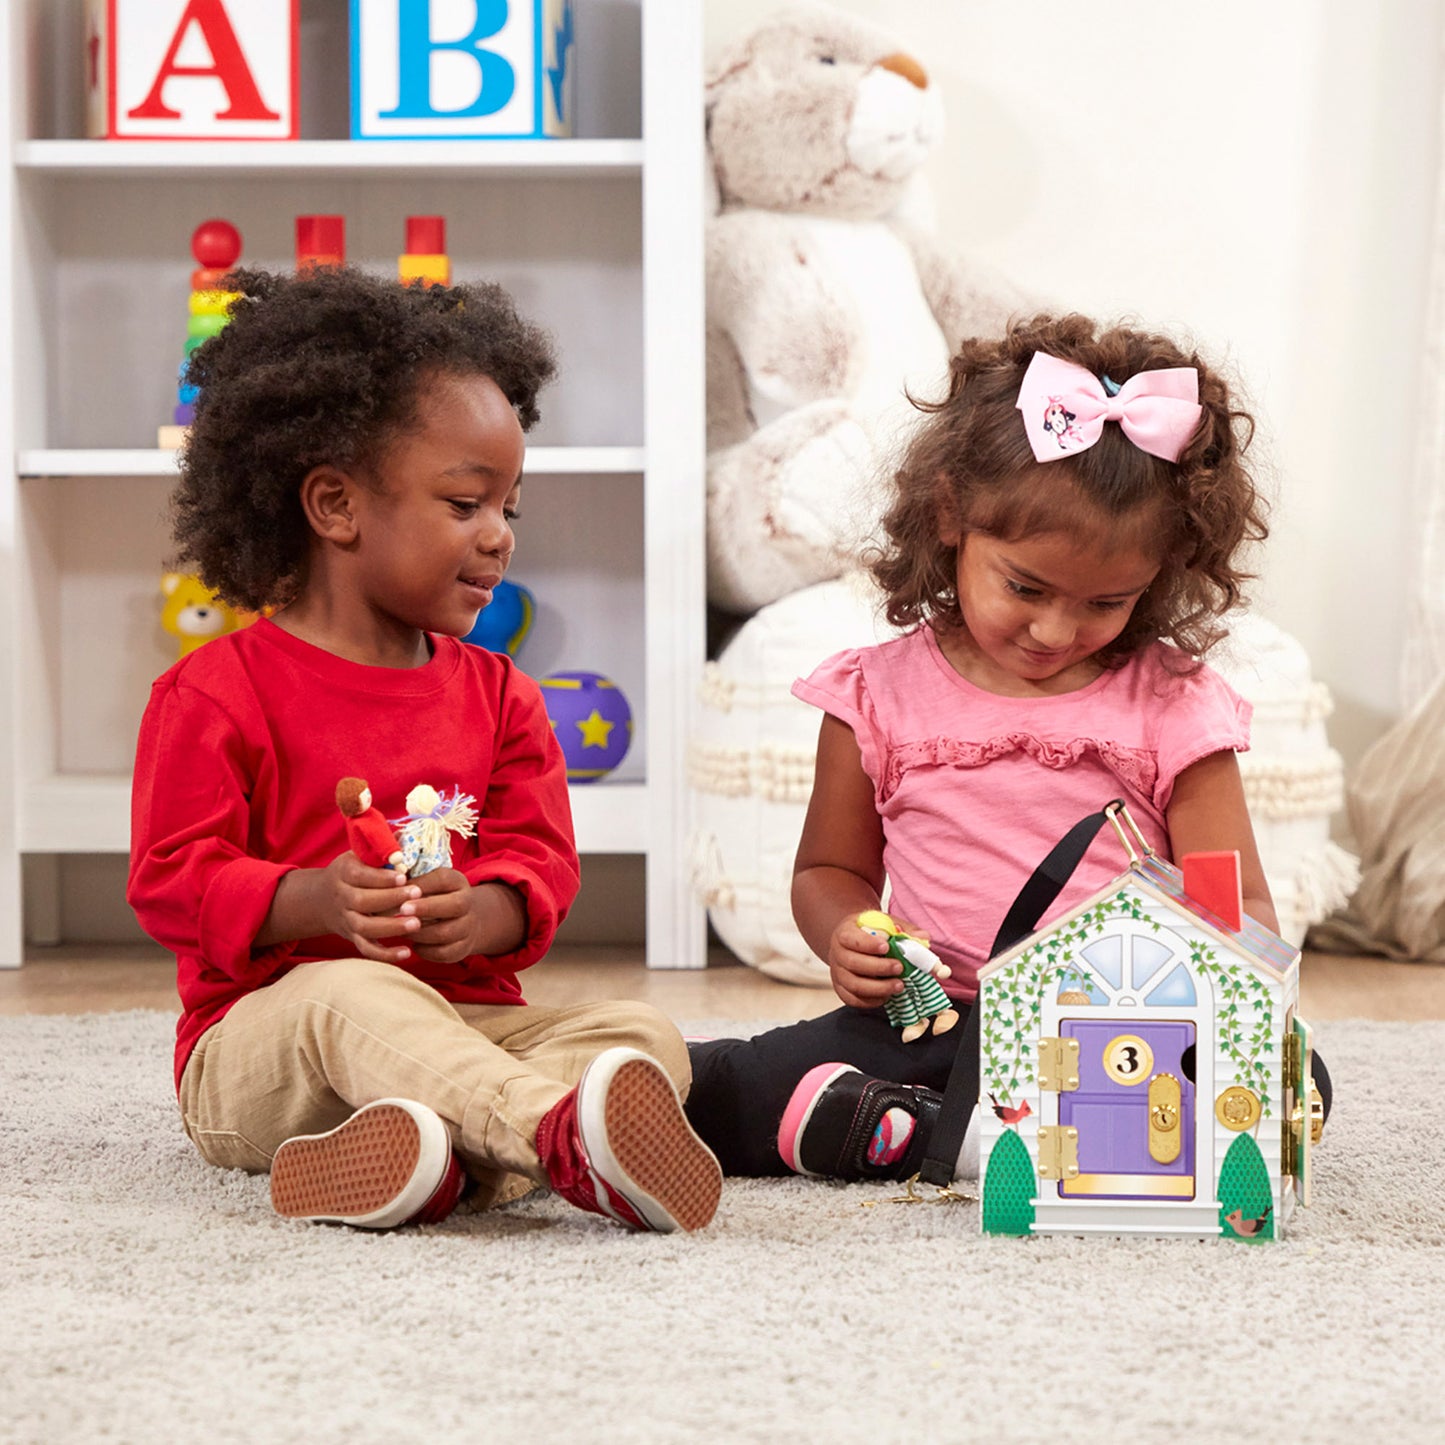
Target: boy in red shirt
354 468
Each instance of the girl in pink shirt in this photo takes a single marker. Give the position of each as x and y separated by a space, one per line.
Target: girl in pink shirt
1061 587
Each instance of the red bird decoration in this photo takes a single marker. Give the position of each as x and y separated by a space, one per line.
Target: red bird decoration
1009 1114
1247 1227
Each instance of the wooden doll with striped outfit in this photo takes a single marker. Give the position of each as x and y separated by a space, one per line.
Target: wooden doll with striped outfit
922 1004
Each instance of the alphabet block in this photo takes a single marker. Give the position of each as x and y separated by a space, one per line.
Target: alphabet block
192 69
461 69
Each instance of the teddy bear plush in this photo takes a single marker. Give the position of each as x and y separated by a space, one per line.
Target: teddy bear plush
193 614
825 306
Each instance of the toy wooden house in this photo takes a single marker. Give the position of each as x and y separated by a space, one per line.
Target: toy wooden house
1143 1067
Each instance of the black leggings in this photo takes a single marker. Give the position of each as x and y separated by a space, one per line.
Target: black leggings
740 1087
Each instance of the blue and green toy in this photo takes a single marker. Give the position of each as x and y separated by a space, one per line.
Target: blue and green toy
503 624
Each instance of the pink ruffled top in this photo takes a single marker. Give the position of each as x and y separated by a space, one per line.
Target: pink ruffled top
974 789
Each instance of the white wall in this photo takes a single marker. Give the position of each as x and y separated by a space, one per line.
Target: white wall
1260 177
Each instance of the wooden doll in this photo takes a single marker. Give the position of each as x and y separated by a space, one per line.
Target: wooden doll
922 1004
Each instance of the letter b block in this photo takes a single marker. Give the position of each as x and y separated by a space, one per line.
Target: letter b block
461 69
191 69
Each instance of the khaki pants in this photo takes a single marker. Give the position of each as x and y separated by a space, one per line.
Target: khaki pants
302 1054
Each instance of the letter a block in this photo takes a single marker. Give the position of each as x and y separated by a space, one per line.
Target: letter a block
192 69
461 69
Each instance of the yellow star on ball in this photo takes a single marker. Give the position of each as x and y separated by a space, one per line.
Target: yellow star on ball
595 730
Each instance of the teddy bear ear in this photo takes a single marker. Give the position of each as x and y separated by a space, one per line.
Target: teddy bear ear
727 65
169 582
722 67
729 62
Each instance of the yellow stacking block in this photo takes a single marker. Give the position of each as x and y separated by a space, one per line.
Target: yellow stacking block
433 270
212 303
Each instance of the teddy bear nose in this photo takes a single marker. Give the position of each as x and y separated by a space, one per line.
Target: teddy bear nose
907 67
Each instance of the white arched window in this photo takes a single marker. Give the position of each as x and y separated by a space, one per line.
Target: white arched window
1133 965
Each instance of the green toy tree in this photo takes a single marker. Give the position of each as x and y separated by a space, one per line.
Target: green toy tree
1008 1188
1246 1200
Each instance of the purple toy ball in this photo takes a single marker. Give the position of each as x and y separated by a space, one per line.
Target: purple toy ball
591 720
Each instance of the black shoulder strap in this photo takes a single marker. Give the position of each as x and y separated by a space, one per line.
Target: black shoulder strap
961 1092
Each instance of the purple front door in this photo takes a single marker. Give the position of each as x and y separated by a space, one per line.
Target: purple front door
1134 1109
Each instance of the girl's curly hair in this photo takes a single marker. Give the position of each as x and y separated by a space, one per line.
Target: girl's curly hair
970 468
328 366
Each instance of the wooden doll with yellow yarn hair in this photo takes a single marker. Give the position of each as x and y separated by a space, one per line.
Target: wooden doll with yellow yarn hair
423 832
922 1004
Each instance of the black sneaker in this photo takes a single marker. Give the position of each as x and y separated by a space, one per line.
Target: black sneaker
841 1124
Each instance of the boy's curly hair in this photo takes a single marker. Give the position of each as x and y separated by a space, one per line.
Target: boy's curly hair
970 468
328 366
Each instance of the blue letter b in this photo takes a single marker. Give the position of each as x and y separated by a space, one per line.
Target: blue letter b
414 49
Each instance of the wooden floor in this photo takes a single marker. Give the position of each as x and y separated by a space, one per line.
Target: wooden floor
97 979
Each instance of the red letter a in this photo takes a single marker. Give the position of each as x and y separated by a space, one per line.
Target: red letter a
228 65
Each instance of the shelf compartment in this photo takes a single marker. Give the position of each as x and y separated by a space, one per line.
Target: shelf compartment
544 159
140 462
108 317
90 813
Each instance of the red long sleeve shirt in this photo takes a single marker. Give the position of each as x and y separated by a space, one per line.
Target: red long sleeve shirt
240 750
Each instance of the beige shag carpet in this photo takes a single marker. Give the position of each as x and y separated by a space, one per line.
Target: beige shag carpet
146 1297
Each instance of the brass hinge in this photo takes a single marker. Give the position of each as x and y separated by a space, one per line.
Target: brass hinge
1292 1135
1292 1061
1289 1147
1291 1065
1058 1151
1059 1065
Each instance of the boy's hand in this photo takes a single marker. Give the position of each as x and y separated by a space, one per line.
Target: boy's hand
445 917
367 906
458 919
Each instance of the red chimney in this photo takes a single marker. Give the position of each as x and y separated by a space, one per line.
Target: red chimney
1212 880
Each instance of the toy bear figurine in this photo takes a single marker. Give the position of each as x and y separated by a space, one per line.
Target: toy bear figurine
367 830
430 816
923 1002
193 614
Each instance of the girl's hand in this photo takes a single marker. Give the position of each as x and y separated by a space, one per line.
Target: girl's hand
864 973
366 905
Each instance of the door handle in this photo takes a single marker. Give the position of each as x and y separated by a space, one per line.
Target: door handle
1165 1102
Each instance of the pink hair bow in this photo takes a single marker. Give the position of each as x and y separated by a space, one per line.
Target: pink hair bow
1065 408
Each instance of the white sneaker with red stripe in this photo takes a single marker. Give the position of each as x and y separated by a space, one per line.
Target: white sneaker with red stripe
390 1163
620 1145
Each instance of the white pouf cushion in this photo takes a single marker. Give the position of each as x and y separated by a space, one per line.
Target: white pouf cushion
1294 780
751 767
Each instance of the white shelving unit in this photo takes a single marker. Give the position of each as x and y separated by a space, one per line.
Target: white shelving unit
599 239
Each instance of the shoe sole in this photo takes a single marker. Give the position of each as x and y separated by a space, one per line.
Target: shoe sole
646 1150
811 1087
375 1171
